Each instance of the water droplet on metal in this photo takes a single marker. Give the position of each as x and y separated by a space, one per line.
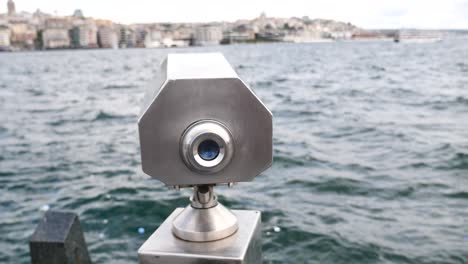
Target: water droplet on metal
276 229
105 221
141 230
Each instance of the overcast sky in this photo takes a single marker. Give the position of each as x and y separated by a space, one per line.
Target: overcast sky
363 13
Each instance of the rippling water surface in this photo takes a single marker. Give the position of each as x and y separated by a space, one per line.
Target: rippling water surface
370 150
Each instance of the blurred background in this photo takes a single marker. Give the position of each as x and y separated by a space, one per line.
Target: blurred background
370 105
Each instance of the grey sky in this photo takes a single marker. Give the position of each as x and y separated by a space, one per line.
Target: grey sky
363 13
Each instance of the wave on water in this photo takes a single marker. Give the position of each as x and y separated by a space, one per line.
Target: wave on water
117 86
103 115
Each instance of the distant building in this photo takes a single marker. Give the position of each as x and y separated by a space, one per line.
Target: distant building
175 43
78 13
4 37
153 39
39 18
208 35
42 30
84 35
183 32
341 35
418 35
240 33
140 36
22 35
75 40
55 34
306 36
365 35
107 37
11 7
127 38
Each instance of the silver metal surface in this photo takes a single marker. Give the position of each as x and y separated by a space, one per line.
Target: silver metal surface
244 246
198 100
194 87
201 225
204 219
203 197
199 132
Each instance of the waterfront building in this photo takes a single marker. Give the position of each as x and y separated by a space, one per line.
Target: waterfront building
107 37
176 36
307 36
4 37
366 35
140 36
184 32
22 34
175 43
153 38
45 31
208 35
373 35
341 35
84 34
127 38
38 19
239 34
75 37
11 7
419 36
269 28
55 34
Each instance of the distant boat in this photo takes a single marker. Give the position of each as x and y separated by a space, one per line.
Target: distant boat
418 36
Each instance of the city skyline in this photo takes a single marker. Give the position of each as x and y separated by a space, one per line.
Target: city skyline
363 13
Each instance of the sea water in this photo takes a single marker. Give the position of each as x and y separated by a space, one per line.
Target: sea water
370 150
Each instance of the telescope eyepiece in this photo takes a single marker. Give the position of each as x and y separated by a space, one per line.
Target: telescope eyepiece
207 146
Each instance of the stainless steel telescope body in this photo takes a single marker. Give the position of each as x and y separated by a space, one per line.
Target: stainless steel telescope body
199 97
202 126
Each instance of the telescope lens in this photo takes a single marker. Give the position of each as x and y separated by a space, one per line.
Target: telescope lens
208 149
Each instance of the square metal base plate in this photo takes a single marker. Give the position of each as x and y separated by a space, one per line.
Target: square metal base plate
244 246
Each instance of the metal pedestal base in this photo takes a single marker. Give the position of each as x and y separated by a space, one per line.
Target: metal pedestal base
202 225
243 247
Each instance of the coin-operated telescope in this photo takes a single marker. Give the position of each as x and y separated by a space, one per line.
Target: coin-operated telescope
200 127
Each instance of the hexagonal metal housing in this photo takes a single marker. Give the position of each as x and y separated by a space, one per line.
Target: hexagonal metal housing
194 87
